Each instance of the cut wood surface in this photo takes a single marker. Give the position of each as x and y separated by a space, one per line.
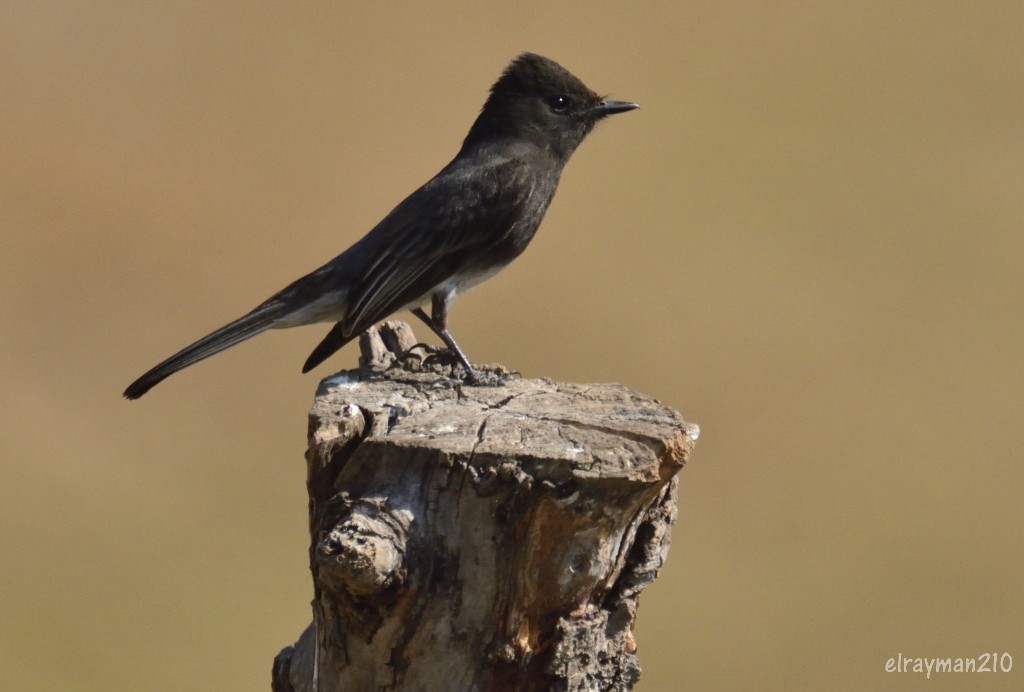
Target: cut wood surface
479 537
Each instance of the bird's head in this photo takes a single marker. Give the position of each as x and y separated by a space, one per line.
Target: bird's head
538 100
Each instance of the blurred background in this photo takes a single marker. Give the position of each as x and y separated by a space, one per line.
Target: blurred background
808 241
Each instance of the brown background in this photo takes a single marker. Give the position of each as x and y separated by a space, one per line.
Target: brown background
809 241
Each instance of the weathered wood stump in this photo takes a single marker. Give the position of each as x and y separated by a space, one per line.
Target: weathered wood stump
479 538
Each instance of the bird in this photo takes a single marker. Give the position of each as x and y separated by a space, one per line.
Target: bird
461 227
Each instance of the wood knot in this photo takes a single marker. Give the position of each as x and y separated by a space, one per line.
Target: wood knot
364 554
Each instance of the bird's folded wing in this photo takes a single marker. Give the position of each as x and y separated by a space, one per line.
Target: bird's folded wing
435 233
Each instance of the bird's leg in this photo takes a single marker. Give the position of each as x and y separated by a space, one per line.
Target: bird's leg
438 322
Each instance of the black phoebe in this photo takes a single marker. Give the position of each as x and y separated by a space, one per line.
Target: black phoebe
463 226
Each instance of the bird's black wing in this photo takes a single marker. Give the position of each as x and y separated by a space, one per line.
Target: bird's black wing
444 228
437 232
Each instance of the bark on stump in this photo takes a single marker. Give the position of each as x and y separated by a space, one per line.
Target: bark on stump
479 538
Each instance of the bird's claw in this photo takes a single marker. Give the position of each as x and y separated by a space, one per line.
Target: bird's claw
490 379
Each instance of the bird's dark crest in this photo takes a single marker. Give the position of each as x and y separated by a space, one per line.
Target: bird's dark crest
513 107
534 74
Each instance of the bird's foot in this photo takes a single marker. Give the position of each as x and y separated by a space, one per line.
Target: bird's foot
490 378
476 378
454 372
429 349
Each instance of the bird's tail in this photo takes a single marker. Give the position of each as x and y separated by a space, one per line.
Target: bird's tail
259 320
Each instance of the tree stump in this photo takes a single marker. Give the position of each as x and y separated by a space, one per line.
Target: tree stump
479 538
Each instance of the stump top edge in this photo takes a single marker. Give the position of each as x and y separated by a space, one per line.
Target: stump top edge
600 430
407 396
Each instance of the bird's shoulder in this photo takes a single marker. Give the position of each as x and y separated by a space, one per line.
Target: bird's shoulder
483 178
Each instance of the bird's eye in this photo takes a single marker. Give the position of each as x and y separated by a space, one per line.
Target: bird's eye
560 104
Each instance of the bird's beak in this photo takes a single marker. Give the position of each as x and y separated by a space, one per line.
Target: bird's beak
609 107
